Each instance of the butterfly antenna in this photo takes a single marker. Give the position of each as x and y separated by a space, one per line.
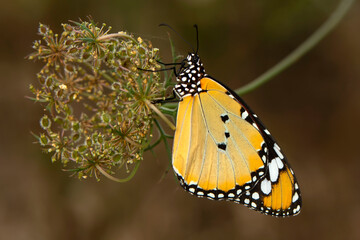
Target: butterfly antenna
197 38
167 25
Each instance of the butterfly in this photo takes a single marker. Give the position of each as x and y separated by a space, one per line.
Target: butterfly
222 151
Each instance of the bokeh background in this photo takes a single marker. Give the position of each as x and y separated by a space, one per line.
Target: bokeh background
313 109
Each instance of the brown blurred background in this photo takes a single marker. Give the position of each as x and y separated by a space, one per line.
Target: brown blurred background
313 109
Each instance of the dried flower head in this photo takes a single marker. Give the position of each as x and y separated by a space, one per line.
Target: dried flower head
98 111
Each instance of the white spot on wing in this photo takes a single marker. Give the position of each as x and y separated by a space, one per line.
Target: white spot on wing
279 163
277 150
295 197
273 171
244 115
211 195
265 186
255 196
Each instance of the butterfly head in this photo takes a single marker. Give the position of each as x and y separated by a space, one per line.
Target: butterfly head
189 76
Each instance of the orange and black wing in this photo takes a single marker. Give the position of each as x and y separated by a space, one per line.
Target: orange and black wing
222 151
277 193
216 153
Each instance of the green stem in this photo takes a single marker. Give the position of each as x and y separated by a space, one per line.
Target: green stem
163 137
160 114
301 50
116 35
120 180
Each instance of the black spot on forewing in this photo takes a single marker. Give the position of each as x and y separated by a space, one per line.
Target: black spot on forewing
224 118
222 146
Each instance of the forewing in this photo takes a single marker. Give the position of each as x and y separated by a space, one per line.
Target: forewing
217 154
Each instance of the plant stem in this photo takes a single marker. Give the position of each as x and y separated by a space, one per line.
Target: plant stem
301 50
122 180
116 35
160 114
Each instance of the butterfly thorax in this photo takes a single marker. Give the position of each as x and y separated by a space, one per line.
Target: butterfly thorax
189 76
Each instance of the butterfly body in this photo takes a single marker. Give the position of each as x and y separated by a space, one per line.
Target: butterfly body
223 152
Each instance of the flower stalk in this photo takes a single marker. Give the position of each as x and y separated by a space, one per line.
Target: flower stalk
98 114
